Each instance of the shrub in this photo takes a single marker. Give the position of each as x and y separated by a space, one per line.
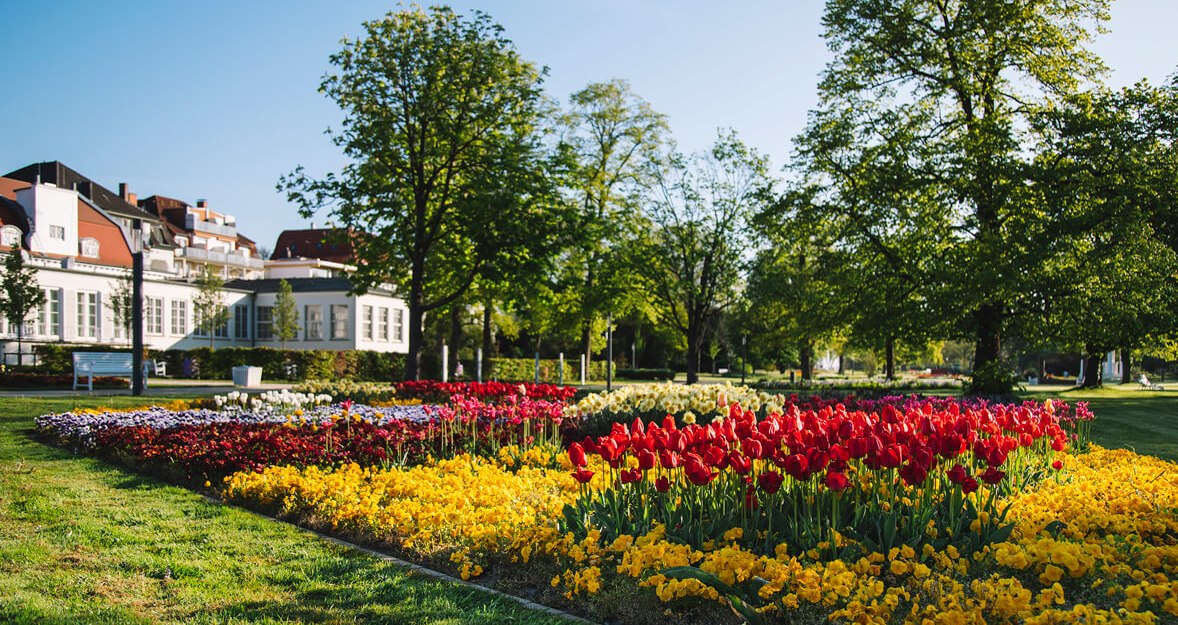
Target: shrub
647 374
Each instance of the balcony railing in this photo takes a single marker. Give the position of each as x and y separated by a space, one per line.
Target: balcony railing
220 258
209 227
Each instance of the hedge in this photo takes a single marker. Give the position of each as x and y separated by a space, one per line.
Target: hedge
524 370
204 363
646 374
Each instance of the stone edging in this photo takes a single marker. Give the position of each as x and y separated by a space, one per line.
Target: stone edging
417 568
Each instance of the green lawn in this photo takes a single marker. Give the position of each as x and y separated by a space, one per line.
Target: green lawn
1127 417
84 542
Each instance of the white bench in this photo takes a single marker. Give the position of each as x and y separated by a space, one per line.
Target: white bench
90 364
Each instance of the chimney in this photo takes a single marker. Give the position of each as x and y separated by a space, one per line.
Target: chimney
202 203
133 199
123 190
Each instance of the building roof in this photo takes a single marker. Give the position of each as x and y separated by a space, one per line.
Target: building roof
56 173
299 285
313 243
174 215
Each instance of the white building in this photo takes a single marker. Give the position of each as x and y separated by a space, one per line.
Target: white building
80 246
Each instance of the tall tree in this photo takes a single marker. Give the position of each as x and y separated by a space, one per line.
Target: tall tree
1109 174
690 259
120 302
614 135
962 76
208 305
20 294
286 314
442 123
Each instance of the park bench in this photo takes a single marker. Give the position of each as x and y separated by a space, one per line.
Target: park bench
90 364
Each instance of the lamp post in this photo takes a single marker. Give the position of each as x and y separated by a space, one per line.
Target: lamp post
137 308
609 348
743 356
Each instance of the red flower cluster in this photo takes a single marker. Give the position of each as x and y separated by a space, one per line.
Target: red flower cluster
440 392
913 441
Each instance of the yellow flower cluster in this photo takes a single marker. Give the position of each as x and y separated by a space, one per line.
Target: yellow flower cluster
697 400
467 508
1111 561
177 405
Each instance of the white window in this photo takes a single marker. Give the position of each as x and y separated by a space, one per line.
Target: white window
339 321
222 331
383 324
88 247
399 325
179 317
10 236
241 321
367 323
49 316
265 323
153 315
87 314
57 232
314 317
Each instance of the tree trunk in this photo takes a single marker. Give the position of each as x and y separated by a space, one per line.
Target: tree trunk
806 355
587 341
487 344
842 363
456 337
416 331
989 339
1126 369
693 341
1093 376
890 358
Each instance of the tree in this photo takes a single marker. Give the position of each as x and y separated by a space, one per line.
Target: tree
443 126
207 305
689 260
1109 175
20 294
121 301
961 77
286 314
614 136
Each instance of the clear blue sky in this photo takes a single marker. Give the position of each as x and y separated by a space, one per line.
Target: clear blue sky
217 99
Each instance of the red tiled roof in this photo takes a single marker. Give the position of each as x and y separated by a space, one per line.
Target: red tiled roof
112 247
9 186
312 243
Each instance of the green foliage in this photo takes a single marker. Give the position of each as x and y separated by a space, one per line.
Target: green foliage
690 255
286 314
442 128
921 150
218 364
120 300
20 294
359 392
208 306
993 379
524 370
646 374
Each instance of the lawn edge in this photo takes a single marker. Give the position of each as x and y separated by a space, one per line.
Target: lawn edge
411 566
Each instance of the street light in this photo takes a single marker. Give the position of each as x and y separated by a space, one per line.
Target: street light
743 356
137 247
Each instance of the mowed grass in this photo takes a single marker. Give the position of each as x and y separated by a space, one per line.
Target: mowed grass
84 542
1128 417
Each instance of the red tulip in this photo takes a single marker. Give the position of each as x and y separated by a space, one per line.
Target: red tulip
577 455
629 476
646 460
739 462
957 474
669 459
969 485
836 481
992 475
1057 465
662 484
798 467
770 481
582 475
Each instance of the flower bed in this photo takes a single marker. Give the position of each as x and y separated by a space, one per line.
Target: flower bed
899 509
441 392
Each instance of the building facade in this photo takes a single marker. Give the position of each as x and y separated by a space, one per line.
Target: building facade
81 251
